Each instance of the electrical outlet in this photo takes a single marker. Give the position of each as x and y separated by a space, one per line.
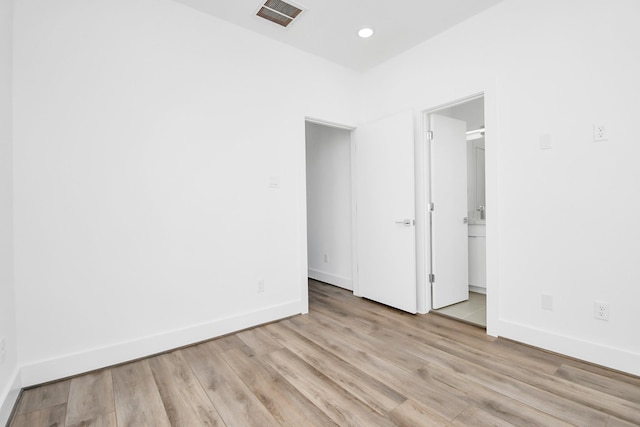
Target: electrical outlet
601 310
260 286
600 132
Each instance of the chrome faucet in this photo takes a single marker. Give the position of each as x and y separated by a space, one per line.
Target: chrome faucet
482 212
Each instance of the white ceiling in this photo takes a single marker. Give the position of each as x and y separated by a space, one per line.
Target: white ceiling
328 28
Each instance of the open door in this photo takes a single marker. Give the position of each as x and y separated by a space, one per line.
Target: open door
449 232
385 208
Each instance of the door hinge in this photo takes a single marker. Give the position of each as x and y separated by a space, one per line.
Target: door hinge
432 206
432 278
430 135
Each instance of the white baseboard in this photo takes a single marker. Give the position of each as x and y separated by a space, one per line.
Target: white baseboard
332 279
97 358
9 397
478 289
610 357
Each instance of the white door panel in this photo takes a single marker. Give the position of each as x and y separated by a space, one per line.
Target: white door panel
385 211
449 233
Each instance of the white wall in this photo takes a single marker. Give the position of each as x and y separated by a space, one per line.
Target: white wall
146 134
471 112
329 205
8 368
562 221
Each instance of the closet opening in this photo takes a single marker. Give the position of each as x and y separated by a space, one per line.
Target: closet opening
329 203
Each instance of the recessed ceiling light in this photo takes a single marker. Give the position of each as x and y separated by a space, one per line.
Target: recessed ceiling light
365 32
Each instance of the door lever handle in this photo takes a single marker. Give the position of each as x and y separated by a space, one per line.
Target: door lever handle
405 222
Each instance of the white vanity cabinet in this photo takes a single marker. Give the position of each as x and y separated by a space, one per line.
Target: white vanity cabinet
477 257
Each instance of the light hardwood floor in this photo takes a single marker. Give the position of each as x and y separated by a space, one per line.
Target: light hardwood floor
350 362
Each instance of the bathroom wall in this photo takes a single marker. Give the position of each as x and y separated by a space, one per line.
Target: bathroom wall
476 190
471 111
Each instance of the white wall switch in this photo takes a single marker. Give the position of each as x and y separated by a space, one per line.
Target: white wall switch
545 142
547 302
600 132
274 182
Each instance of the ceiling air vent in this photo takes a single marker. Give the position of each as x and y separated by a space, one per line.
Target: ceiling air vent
279 12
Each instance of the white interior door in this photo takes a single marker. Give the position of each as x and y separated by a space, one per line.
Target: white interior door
449 232
385 209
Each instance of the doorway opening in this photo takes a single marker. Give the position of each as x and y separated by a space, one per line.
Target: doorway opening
329 203
382 236
458 211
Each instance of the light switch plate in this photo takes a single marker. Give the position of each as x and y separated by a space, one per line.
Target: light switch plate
274 182
600 132
545 142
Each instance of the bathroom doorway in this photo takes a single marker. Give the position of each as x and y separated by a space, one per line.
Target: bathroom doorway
458 211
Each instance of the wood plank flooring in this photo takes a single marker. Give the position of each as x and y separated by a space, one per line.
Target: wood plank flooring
349 362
